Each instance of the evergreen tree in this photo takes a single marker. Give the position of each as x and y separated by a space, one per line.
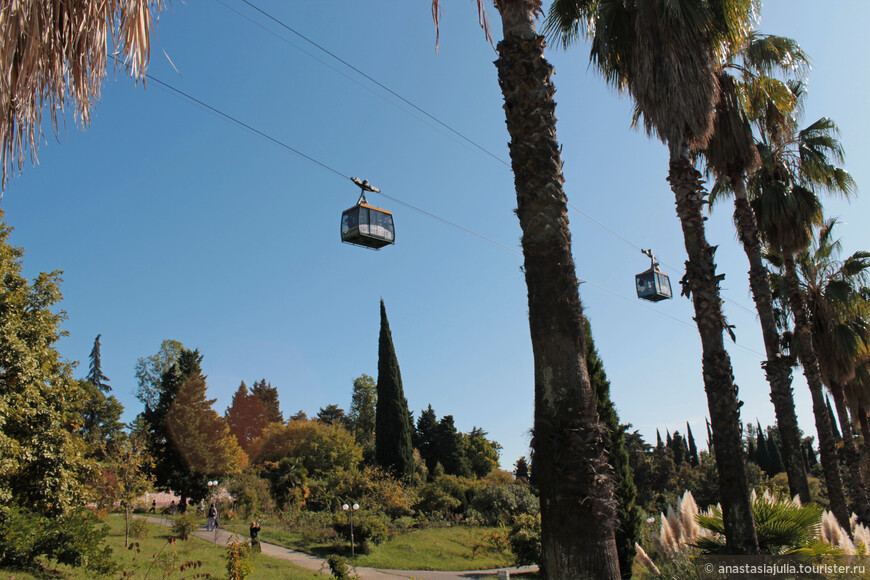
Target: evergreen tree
362 412
246 417
679 449
268 396
669 442
332 415
187 438
101 419
95 372
761 451
659 443
393 450
693 449
521 470
449 449
629 524
809 453
424 441
773 452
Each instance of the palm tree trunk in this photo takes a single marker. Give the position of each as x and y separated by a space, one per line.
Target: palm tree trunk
810 363
701 284
864 422
578 512
850 451
777 367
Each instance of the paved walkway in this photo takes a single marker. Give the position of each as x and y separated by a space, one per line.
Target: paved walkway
309 562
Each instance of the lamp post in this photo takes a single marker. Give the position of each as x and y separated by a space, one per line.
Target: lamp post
350 509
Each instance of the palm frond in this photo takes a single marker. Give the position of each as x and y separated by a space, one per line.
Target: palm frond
55 53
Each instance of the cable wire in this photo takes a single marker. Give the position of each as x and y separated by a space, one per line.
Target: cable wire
433 118
238 122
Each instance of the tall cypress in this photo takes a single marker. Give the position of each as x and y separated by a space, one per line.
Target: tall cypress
393 450
693 448
629 524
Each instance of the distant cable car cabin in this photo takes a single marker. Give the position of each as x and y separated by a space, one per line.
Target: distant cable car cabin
366 225
653 285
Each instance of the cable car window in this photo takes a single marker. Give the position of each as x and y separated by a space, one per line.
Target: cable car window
364 220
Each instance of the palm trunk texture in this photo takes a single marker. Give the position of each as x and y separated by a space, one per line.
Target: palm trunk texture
777 367
864 422
850 452
578 511
702 284
810 364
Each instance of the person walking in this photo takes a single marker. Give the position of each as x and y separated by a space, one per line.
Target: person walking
211 519
255 536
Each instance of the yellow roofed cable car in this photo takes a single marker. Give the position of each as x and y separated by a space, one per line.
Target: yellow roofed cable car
366 225
653 285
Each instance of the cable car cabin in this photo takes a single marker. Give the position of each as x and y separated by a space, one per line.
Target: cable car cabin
367 226
652 285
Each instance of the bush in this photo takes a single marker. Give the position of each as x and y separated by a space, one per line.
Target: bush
185 525
525 540
74 539
338 566
139 529
498 504
368 529
239 565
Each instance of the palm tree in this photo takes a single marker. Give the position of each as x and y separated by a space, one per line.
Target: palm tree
753 95
666 54
841 334
795 164
578 511
56 52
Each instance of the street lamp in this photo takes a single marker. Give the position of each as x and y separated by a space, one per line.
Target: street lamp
212 489
350 509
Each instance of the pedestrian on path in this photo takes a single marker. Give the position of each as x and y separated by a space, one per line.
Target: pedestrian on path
211 521
255 537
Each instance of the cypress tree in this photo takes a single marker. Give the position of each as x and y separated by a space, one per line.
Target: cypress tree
693 449
424 440
669 442
679 449
629 525
773 453
659 443
393 450
761 450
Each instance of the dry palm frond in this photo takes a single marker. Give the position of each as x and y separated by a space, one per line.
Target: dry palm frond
55 52
481 18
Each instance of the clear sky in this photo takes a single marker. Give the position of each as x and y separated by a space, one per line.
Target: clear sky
168 221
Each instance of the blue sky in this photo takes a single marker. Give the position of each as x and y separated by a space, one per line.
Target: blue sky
171 222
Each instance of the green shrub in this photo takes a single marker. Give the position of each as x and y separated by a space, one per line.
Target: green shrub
185 525
525 539
338 566
139 529
368 529
498 504
74 539
239 564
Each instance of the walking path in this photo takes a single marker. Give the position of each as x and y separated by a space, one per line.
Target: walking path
221 537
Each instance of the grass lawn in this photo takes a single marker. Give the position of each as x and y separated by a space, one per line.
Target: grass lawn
436 549
420 549
154 557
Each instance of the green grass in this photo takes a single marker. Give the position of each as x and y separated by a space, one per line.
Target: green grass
420 549
436 549
153 556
